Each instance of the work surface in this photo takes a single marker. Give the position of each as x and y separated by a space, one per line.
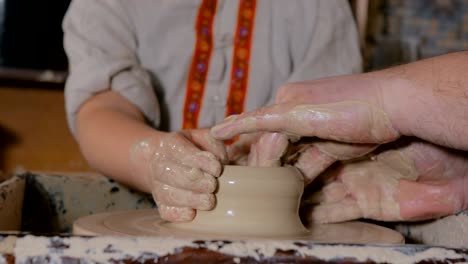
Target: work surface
41 249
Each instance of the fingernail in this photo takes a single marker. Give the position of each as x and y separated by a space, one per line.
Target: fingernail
184 214
177 214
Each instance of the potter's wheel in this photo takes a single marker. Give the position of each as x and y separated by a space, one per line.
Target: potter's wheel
148 223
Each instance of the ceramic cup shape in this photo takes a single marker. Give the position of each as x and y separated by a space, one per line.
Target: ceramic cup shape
253 202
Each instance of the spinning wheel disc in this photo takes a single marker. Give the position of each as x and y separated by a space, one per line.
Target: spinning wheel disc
149 223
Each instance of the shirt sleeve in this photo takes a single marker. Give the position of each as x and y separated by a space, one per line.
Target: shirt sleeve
100 43
323 41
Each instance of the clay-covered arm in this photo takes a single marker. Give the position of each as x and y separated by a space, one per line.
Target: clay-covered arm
178 168
107 127
429 99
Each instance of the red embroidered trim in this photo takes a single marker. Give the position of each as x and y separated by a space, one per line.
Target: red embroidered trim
240 57
200 63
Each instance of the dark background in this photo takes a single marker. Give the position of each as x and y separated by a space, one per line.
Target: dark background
31 34
398 31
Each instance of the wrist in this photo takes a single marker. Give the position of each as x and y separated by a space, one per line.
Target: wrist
395 96
141 154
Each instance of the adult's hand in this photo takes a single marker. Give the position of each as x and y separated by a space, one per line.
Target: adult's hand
344 114
352 129
350 121
416 181
426 99
181 168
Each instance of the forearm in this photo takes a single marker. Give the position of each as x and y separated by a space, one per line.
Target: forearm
107 127
429 99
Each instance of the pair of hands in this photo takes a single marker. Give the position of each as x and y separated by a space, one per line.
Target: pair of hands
412 181
407 179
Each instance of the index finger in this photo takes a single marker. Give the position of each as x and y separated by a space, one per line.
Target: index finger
350 121
267 119
268 150
179 148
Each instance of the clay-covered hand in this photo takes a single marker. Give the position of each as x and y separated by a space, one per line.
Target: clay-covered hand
313 158
238 151
344 115
351 128
181 168
258 150
346 108
416 181
350 121
425 99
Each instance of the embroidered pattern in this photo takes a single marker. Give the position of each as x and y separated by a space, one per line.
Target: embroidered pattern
200 63
240 57
201 60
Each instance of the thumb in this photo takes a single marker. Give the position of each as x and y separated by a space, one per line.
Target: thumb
268 151
203 139
318 156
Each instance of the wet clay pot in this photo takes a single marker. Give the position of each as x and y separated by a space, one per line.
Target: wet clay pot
253 202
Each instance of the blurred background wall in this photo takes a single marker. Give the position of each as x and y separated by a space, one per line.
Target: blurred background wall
33 65
399 31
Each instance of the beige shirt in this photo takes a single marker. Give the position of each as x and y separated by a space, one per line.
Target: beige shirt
143 50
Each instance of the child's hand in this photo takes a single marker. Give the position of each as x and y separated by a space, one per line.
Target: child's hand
180 168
